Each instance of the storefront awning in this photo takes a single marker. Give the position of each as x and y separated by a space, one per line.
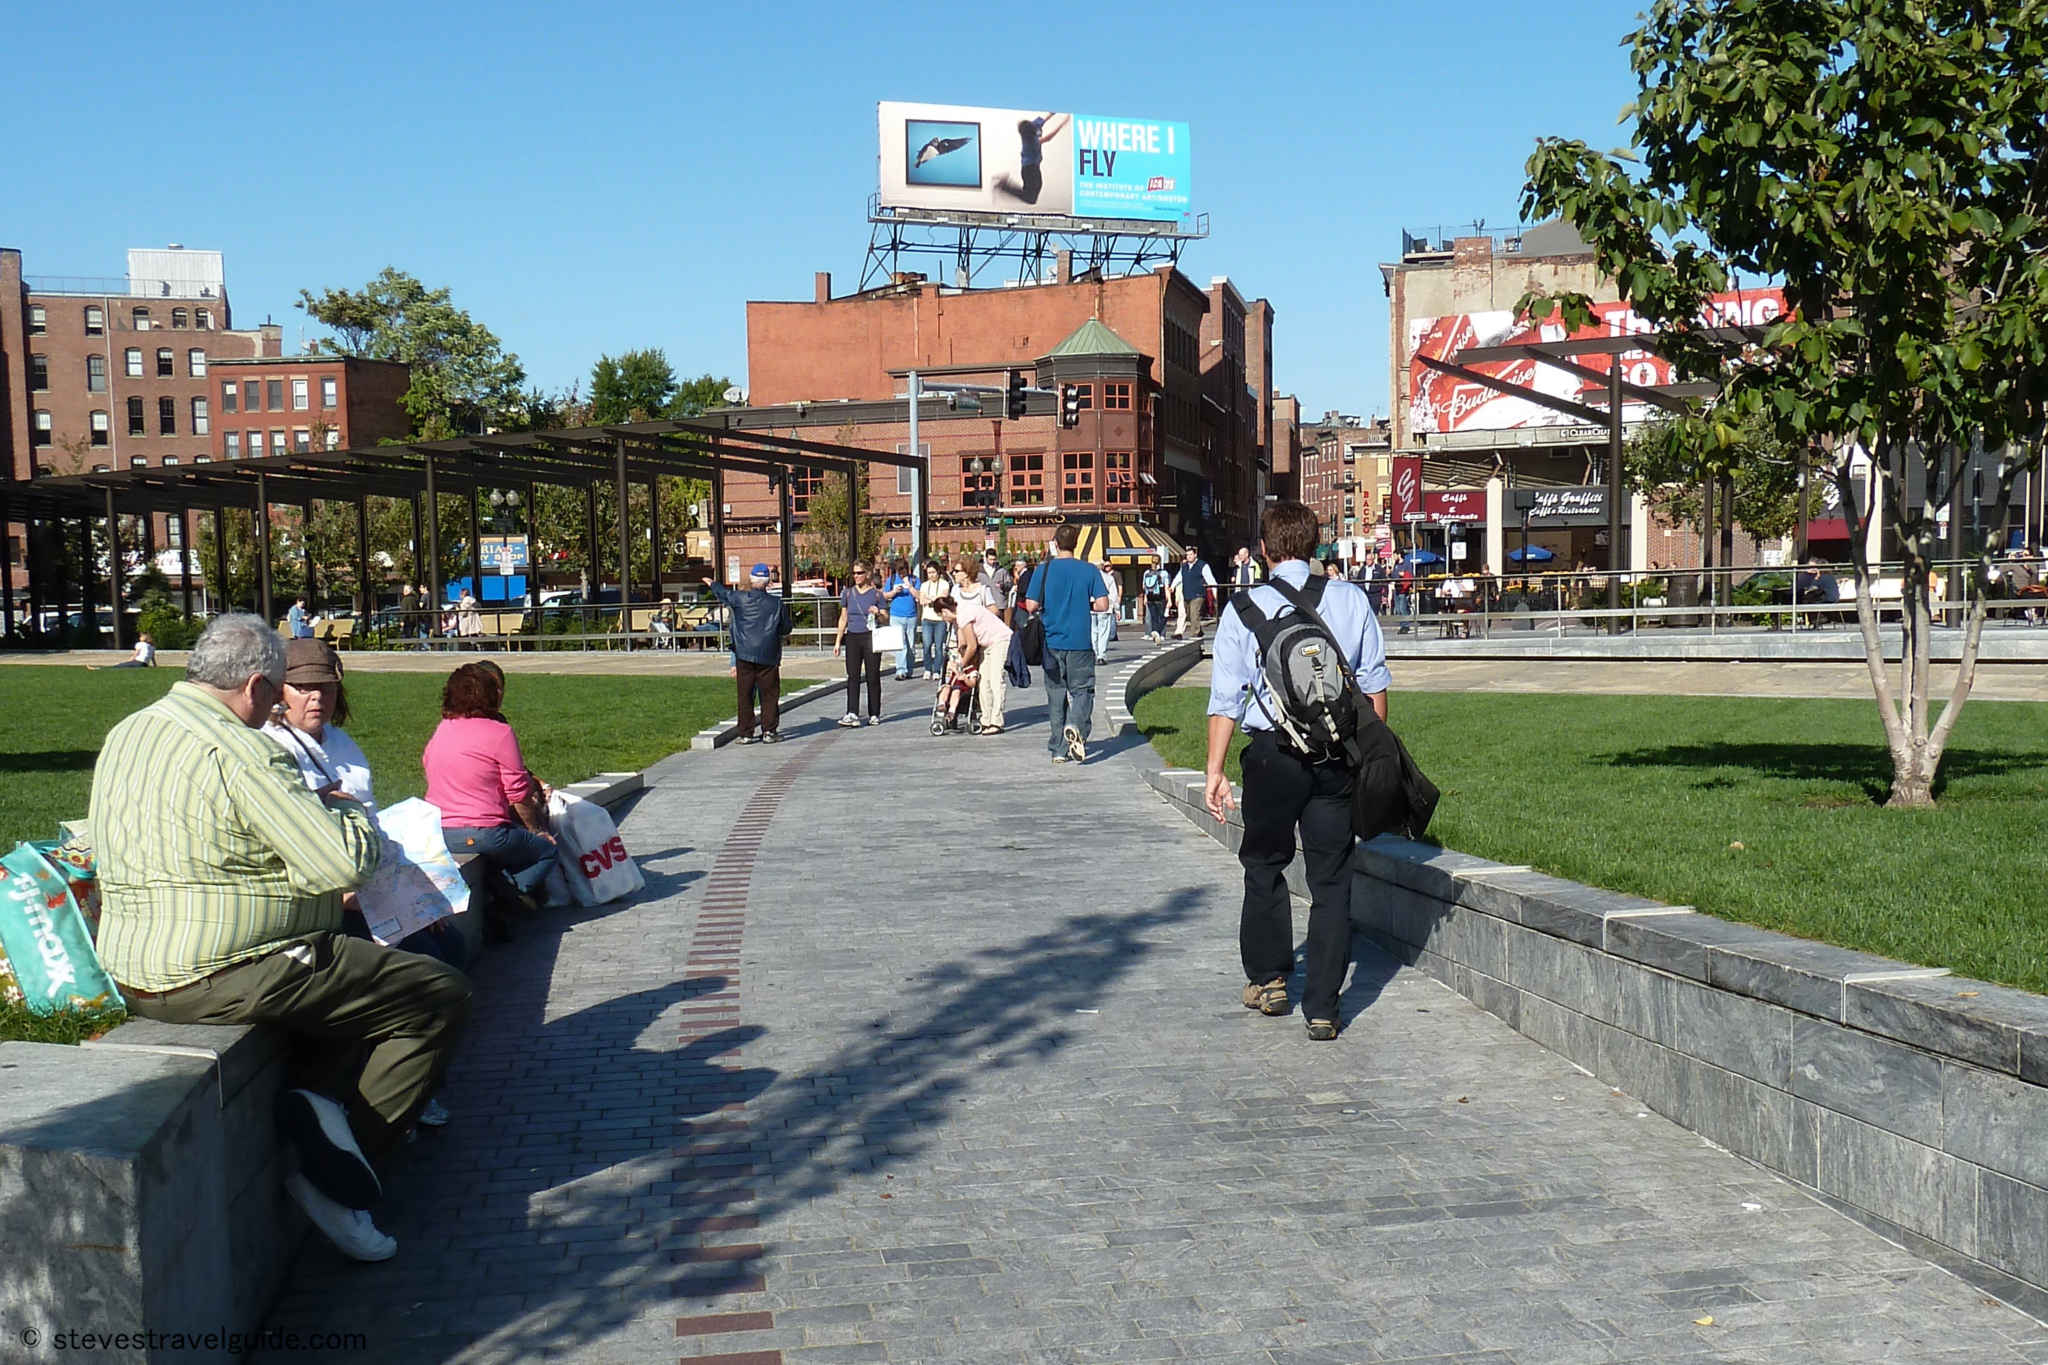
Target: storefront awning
1125 542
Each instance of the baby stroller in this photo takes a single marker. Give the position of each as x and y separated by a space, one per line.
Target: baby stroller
966 717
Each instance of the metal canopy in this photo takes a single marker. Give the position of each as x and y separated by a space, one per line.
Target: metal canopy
621 454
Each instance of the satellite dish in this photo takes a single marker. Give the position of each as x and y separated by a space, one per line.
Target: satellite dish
735 394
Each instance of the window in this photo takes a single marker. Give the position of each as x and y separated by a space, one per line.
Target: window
1027 480
178 318
102 428
202 420
1078 485
302 439
273 395
1116 397
165 364
1086 395
137 462
135 426
39 432
334 438
195 361
174 527
140 317
96 374
232 444
95 320
974 483
277 440
299 400
131 362
228 394
167 416
38 372
803 485
203 319
330 395
252 443
250 395
38 320
1119 483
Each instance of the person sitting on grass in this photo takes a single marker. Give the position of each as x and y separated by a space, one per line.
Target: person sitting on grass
221 879
143 657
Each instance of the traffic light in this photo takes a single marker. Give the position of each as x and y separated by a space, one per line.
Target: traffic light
1070 405
1015 407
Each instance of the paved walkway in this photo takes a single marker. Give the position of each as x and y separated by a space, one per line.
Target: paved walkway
886 1065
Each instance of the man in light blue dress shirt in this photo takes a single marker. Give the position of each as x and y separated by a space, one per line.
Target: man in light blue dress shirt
1283 789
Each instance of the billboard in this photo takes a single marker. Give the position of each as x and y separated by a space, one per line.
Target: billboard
1445 403
967 159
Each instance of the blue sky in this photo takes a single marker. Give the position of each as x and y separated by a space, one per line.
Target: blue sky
589 179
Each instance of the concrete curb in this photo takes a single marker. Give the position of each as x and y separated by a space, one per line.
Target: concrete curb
726 731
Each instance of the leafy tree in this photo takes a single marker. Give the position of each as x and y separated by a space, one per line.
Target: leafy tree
463 379
694 397
1883 160
635 386
1671 460
824 539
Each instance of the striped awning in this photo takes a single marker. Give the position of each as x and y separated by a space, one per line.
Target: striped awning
1124 542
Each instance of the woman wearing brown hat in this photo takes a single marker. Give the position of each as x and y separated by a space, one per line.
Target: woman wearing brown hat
307 723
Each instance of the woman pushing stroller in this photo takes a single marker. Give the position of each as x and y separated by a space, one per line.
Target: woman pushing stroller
984 643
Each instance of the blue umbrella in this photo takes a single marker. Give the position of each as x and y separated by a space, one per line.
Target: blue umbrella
1536 555
1422 557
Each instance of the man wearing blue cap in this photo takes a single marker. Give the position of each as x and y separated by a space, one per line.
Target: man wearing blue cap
760 623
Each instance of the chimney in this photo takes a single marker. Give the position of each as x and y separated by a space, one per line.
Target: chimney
1063 267
821 286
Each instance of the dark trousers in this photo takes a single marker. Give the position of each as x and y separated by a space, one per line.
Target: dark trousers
765 679
371 1027
1282 791
860 655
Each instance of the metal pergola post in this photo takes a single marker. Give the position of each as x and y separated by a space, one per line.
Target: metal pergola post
36 552
221 604
185 557
623 488
433 517
654 537
785 535
476 547
7 569
114 574
312 589
590 541
715 516
853 492
419 580
265 607
1614 519
367 596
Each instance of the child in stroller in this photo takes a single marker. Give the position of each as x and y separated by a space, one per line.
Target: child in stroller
958 701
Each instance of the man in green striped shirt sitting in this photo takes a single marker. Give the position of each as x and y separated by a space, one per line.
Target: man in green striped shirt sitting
221 878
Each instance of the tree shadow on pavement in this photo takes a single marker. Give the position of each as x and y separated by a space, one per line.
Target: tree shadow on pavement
559 1209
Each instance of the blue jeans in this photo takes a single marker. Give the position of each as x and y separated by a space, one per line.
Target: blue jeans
1069 694
519 853
904 655
1101 628
934 646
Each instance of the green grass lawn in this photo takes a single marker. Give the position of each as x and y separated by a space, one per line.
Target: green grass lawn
52 721
1764 811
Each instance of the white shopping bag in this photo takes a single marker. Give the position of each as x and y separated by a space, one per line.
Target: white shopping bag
588 851
418 880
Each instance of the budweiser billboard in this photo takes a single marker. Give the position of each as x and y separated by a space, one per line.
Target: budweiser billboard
1407 496
1440 402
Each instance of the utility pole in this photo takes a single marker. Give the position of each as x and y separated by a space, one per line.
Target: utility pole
917 474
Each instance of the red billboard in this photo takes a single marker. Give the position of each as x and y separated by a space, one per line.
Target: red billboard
1439 402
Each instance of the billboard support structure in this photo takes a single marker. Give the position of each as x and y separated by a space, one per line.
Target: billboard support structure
970 242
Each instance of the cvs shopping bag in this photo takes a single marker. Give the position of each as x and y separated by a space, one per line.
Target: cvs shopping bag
589 852
45 939
417 881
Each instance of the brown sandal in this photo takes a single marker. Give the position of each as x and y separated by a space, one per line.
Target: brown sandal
1267 997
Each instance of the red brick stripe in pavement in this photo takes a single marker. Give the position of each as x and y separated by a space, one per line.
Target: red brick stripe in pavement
714 953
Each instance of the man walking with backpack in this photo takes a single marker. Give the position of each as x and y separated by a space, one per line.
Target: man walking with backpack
1293 657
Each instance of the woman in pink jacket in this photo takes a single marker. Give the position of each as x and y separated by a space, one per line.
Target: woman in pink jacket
491 806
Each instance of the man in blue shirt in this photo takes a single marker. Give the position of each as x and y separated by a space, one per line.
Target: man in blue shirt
1067 590
1283 789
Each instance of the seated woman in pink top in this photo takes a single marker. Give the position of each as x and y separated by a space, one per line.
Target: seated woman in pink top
490 804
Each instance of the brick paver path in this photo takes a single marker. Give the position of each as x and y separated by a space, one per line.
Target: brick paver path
888 1064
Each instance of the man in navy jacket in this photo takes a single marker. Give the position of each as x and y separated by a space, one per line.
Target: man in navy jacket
760 623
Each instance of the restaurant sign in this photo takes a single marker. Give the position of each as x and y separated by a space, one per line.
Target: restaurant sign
1445 506
1562 507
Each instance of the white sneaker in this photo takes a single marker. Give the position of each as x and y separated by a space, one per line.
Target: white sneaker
874 720
1077 748
434 1115
351 1230
848 721
328 1154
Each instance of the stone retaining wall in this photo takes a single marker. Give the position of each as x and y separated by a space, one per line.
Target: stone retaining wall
1913 1099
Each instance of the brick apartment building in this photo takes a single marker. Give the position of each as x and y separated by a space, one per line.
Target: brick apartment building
272 405
1345 469
115 374
1173 433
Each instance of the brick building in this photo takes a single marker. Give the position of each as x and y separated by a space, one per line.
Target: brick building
1173 433
271 405
115 374
1345 471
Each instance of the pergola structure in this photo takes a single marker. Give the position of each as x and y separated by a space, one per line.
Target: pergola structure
1563 355
623 455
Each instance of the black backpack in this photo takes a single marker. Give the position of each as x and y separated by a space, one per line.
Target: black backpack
1315 695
